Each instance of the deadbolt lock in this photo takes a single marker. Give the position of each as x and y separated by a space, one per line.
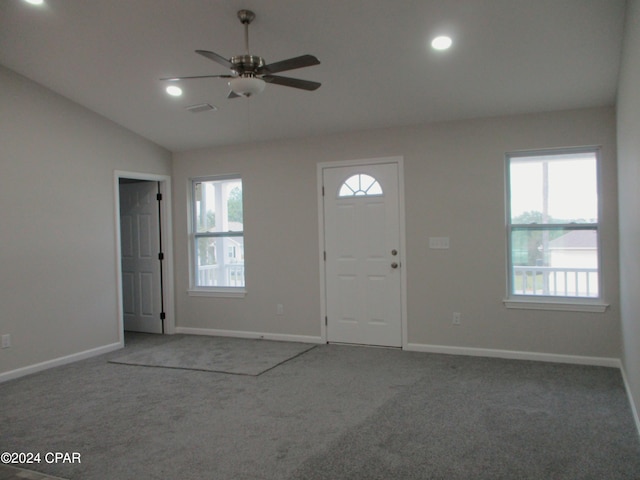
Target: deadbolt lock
394 252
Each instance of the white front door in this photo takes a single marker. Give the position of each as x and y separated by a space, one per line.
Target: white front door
362 247
140 247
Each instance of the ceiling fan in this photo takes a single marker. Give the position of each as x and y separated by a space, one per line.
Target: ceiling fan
249 72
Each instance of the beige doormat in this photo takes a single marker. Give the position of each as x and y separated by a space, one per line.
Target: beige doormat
236 356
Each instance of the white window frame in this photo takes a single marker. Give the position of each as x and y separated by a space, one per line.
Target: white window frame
554 302
374 189
196 290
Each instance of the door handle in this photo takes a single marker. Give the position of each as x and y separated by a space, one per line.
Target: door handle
394 265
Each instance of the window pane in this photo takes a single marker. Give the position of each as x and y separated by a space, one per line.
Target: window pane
360 184
554 189
555 262
218 206
220 261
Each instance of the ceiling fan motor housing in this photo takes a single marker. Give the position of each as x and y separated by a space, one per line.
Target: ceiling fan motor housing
247 64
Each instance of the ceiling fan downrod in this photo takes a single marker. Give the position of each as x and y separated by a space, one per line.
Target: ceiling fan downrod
246 17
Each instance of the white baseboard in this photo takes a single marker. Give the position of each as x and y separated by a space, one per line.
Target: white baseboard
253 335
56 362
634 410
515 355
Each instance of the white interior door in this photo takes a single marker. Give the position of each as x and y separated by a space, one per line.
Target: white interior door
140 247
362 248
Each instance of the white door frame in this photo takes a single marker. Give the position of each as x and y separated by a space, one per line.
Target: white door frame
399 161
167 247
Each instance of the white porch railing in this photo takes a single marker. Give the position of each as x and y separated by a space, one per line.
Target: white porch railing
229 275
555 281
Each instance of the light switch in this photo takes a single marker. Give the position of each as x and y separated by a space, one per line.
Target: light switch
439 242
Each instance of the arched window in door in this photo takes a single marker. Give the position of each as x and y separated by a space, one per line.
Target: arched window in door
360 184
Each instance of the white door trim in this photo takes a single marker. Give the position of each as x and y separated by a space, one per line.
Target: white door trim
399 161
167 247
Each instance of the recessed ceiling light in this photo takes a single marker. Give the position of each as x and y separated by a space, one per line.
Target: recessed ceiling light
35 2
441 43
174 90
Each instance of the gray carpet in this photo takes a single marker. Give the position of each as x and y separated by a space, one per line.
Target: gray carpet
216 354
489 419
335 412
12 473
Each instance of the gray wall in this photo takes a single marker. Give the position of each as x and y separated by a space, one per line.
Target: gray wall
629 183
57 221
57 250
454 175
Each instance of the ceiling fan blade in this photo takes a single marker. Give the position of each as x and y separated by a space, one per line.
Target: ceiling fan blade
233 94
290 64
215 57
291 82
177 79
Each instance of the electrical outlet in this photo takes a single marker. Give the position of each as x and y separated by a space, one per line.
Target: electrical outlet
279 309
457 317
6 341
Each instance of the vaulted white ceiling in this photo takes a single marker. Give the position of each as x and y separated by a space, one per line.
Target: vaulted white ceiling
377 69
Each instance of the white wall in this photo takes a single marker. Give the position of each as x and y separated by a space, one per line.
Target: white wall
454 176
57 226
629 174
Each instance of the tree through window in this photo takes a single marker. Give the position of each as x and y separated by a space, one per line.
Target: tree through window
552 223
217 233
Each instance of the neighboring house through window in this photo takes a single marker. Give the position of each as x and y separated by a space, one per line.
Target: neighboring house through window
552 226
217 235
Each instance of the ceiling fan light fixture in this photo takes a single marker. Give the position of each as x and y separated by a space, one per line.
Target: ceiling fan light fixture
246 86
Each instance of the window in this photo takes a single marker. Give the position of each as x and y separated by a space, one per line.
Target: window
217 234
552 223
360 184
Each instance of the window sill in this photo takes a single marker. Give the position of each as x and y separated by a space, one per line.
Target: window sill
557 305
232 292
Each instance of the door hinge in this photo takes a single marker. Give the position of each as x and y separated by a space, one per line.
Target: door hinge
161 256
159 197
162 316
325 255
326 321
323 190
